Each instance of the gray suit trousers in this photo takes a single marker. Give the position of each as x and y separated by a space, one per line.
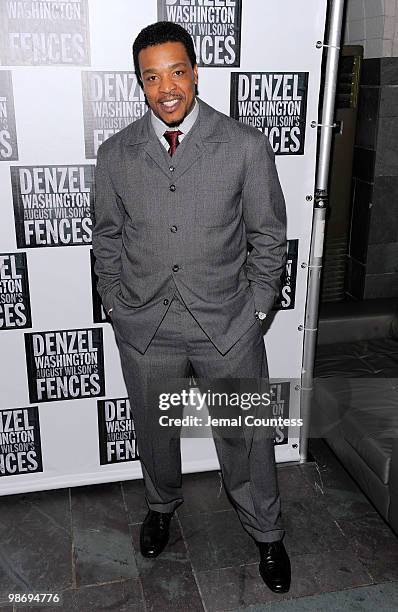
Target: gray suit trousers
247 460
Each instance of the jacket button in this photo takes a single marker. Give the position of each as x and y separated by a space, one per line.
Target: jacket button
172 187
176 267
173 229
165 302
171 168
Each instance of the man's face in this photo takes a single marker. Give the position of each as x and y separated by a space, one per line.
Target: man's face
169 81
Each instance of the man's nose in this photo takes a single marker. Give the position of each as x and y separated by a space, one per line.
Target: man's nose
167 84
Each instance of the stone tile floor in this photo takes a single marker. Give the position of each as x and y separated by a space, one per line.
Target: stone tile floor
84 542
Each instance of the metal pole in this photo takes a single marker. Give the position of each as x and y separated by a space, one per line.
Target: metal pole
318 225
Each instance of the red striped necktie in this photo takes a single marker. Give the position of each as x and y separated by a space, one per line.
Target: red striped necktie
172 138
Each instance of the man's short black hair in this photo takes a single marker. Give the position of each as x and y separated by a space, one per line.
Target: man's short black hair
159 33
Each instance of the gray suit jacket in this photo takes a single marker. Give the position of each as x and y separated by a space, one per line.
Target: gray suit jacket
185 222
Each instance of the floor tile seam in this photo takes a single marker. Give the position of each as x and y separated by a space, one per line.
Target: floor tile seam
6 603
369 513
191 564
367 570
342 590
76 589
320 500
193 514
351 541
98 584
143 598
298 597
287 598
383 523
356 543
126 506
339 527
326 488
137 579
226 567
292 555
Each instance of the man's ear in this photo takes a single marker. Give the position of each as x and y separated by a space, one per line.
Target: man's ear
195 73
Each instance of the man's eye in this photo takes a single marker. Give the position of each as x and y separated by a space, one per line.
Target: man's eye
179 72
151 78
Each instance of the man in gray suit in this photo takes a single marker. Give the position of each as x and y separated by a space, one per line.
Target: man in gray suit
180 196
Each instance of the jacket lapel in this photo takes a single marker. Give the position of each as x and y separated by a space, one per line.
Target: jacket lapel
156 150
209 128
143 134
188 153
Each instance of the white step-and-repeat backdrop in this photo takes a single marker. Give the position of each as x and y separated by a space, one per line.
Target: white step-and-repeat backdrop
67 84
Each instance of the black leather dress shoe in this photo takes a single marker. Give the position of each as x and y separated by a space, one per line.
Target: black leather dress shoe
274 566
154 533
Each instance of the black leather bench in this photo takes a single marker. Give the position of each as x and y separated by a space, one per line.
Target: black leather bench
355 399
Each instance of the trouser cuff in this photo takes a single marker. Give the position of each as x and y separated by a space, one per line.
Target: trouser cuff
170 507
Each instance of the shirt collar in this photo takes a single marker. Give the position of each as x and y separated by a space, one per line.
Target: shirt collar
160 127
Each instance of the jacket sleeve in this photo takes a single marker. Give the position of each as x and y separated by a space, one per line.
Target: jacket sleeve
264 214
109 215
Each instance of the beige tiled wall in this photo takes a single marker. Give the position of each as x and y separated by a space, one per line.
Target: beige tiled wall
373 24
